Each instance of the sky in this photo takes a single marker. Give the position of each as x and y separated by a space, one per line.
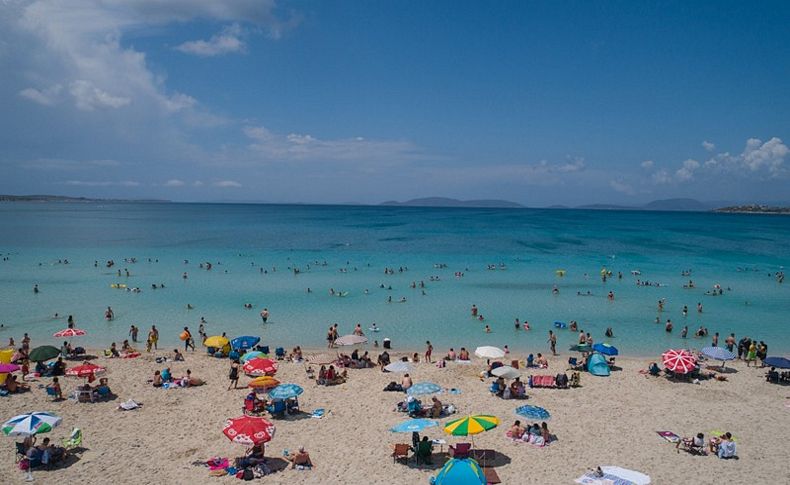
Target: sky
330 101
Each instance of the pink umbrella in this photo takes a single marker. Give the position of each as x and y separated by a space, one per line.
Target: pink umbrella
679 361
6 368
70 332
260 367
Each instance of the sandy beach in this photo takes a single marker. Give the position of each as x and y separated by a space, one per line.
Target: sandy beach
606 421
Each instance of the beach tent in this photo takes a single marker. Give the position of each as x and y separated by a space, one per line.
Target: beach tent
460 472
597 365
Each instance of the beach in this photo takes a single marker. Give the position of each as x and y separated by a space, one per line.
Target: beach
607 421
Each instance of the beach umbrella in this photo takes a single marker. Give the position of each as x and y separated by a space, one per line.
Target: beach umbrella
413 425
471 425
605 349
489 352
84 370
351 340
506 371
252 355
45 352
217 341
780 362
249 430
718 353
460 471
6 368
285 391
533 412
398 366
70 332
30 424
423 388
263 382
244 342
679 361
580 348
259 367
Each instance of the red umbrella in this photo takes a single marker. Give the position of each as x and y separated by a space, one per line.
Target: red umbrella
70 332
679 361
84 370
260 367
249 430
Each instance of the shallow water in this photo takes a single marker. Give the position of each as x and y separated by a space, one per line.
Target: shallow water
531 243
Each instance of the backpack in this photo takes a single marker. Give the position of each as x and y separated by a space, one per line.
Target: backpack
247 474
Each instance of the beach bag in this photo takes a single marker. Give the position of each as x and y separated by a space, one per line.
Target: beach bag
247 474
24 464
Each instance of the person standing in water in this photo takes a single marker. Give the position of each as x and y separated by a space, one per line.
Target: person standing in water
265 315
553 342
133 333
428 352
474 310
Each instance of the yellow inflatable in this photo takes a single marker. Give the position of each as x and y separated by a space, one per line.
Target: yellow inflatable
5 358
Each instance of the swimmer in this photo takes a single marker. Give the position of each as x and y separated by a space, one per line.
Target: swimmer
488 329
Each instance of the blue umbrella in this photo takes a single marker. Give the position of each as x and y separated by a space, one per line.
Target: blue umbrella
605 349
245 342
285 391
423 388
780 362
456 471
718 353
414 425
533 412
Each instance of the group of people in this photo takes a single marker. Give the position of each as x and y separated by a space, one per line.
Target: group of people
165 378
536 434
44 454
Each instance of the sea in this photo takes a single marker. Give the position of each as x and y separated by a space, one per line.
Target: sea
434 264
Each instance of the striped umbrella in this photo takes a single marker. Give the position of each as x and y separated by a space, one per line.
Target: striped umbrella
70 332
285 391
263 383
471 425
351 340
413 425
423 388
679 361
84 370
252 355
718 353
249 430
533 412
260 367
30 424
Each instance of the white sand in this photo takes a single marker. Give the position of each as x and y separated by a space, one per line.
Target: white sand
608 421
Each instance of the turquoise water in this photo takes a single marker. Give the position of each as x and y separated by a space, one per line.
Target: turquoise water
736 251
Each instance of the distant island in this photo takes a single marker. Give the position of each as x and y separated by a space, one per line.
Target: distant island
754 209
447 202
63 198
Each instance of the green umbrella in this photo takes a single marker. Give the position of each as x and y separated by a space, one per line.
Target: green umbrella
45 352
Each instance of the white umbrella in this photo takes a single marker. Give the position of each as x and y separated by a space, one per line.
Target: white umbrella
488 352
30 424
506 371
398 366
351 340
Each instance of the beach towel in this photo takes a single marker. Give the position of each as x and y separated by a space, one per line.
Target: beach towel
318 413
669 436
129 405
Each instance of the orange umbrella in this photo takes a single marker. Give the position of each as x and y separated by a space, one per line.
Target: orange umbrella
263 382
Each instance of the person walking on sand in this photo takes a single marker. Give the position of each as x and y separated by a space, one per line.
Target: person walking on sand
188 340
233 375
265 315
428 352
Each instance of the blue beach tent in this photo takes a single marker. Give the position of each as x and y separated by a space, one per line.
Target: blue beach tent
460 472
597 365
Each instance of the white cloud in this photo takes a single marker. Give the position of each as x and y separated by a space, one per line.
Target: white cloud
686 172
661 177
88 97
758 155
44 97
49 164
647 164
227 184
621 187
197 183
227 41
708 146
174 183
102 183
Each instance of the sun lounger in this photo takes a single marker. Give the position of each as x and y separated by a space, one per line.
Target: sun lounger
400 452
491 476
461 450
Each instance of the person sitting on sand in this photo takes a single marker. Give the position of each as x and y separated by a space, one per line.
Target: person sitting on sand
500 386
178 356
516 432
717 441
450 355
464 354
321 375
13 386
255 455
158 379
697 442
517 389
541 362
383 359
114 351
406 382
55 388
415 358
436 408
301 459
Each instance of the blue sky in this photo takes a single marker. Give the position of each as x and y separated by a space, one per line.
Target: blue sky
332 102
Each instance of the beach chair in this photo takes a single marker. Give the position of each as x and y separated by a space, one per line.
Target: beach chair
400 452
575 379
277 408
279 352
423 452
74 440
574 364
461 450
292 406
491 476
687 444
251 409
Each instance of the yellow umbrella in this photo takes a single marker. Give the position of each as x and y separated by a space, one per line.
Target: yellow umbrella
263 382
471 425
217 341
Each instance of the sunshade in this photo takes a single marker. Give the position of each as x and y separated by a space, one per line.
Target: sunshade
84 370
580 348
489 352
414 425
351 340
244 342
605 349
285 391
506 371
70 332
259 367
679 361
398 366
249 430
780 362
471 425
718 353
263 382
423 388
217 341
533 412
45 352
252 355
6 368
457 471
30 424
